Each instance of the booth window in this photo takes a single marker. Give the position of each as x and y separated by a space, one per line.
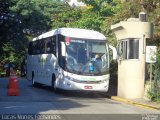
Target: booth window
128 49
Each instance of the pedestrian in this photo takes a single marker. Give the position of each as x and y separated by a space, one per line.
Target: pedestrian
8 66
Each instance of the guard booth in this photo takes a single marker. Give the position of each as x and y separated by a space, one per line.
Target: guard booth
131 46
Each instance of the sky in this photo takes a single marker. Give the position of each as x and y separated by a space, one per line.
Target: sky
74 2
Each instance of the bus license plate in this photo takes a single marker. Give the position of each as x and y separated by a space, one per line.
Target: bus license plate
88 87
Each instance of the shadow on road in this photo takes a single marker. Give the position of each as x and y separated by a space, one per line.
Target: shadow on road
33 100
43 100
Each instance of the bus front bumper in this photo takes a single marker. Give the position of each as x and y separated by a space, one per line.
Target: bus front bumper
66 84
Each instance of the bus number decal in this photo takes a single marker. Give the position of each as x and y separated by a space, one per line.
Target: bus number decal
78 41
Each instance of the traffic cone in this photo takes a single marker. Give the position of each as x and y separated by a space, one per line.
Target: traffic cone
13 85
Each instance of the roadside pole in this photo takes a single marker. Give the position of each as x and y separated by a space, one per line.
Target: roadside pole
151 64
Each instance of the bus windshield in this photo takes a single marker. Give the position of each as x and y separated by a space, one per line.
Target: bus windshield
87 57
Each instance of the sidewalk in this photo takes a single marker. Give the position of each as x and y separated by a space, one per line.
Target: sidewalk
147 102
138 102
141 102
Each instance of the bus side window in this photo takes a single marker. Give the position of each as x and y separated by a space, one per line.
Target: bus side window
34 48
30 48
37 47
51 46
42 47
48 45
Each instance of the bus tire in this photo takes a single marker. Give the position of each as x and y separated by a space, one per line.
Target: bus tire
33 81
53 84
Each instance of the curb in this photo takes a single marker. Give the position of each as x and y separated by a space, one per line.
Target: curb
135 103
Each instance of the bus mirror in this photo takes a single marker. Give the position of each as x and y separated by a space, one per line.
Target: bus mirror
63 49
114 52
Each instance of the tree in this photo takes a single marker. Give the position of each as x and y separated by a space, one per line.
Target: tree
34 20
103 7
127 10
9 30
89 20
65 16
21 20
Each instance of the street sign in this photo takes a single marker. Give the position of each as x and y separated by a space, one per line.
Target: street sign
151 52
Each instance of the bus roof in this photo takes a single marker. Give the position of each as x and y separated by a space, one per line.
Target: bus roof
73 32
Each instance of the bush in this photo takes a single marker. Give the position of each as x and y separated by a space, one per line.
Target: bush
154 91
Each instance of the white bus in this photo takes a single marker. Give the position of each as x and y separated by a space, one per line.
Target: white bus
69 59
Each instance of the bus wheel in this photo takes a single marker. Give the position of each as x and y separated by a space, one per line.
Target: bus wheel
33 81
53 84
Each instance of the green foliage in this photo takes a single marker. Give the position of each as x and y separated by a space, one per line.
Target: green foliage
155 18
89 20
11 35
23 20
127 10
104 7
151 5
36 16
8 52
154 91
66 16
152 96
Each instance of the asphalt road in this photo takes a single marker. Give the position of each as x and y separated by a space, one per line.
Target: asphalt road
42 103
